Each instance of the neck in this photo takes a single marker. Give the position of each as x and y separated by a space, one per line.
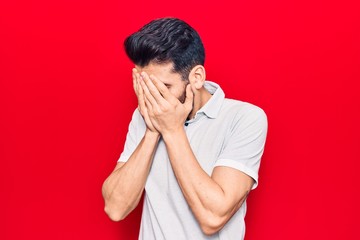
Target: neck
200 99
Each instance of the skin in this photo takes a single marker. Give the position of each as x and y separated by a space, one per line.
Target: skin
160 92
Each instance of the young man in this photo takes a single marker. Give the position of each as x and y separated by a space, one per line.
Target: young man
195 152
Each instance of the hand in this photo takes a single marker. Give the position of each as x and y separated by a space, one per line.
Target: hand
167 114
141 101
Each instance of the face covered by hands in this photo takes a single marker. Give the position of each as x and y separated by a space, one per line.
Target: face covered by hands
162 111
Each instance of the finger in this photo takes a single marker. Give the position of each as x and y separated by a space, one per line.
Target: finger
189 98
160 86
141 100
148 121
134 71
148 105
143 109
153 89
147 92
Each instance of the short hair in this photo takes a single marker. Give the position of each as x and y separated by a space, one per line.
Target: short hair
166 40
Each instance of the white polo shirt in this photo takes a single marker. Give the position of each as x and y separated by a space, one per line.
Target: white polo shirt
224 132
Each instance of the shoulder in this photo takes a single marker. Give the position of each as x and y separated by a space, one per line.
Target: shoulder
241 111
137 121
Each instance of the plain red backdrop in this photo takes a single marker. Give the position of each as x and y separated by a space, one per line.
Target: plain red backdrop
66 99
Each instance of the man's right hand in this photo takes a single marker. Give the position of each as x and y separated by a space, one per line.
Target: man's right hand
123 189
141 102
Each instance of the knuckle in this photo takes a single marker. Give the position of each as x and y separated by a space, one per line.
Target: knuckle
157 112
164 108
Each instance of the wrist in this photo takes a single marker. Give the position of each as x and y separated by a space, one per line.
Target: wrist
152 134
174 133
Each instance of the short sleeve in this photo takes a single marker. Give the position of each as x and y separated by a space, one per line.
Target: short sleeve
245 145
131 141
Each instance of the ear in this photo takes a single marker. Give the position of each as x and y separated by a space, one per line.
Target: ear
197 77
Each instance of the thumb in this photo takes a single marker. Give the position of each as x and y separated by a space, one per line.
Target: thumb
189 98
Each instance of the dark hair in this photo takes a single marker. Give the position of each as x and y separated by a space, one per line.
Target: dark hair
166 40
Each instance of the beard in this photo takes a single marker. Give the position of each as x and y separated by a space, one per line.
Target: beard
183 95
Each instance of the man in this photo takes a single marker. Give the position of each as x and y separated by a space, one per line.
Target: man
195 152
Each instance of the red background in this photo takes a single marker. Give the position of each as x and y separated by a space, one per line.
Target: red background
66 100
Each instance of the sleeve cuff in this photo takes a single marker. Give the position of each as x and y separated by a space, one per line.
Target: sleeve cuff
123 159
239 166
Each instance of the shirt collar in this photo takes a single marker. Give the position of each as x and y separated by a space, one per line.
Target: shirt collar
212 107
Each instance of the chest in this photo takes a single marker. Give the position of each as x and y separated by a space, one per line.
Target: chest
207 138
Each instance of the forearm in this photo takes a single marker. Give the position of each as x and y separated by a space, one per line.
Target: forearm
206 198
122 190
